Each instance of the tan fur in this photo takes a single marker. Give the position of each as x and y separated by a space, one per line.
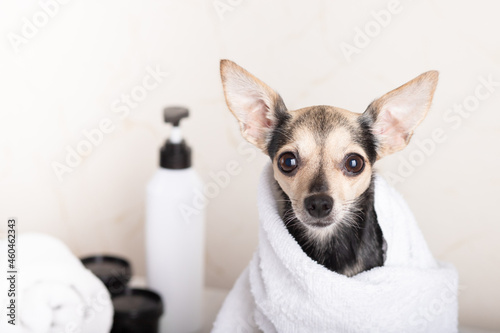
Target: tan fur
395 116
339 143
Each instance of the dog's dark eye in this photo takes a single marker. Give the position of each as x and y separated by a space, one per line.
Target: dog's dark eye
287 162
354 164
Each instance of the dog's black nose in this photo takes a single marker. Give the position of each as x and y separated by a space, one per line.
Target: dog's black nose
319 205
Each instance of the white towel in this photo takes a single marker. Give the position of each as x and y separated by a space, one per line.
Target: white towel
55 292
283 290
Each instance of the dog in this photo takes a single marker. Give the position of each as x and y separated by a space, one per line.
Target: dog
323 162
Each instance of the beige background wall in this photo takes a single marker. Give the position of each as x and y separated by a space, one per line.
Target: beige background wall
70 72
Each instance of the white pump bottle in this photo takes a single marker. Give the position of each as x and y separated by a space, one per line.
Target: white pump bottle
175 237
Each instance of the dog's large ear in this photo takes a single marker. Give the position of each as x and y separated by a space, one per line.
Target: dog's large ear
257 107
394 116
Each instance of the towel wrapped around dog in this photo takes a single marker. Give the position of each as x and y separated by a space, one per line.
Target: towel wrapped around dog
283 290
55 292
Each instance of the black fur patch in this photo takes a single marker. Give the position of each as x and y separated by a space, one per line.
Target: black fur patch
365 137
319 183
278 135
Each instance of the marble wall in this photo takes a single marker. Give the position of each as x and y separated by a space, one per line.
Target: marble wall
68 67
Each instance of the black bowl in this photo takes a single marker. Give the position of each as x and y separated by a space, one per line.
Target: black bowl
137 311
114 272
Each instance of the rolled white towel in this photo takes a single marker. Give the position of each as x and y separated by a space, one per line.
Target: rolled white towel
283 290
55 292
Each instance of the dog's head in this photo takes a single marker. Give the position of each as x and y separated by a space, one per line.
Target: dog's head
323 156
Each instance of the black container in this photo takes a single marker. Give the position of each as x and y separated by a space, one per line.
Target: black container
114 272
137 311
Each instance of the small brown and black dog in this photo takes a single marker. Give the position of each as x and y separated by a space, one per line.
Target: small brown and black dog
323 159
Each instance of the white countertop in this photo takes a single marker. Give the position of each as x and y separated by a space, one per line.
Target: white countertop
214 298
213 301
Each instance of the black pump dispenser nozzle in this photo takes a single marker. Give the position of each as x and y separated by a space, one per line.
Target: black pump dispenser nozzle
174 114
175 153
